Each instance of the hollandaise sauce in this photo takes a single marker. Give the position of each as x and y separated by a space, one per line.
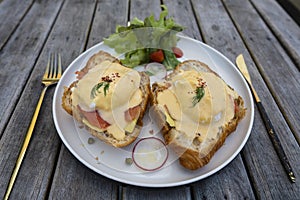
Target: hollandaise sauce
202 118
110 92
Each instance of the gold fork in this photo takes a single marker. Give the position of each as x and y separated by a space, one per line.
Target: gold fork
51 76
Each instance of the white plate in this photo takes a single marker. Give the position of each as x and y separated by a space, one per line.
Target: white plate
110 162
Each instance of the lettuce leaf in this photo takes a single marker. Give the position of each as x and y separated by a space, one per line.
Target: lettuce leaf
140 38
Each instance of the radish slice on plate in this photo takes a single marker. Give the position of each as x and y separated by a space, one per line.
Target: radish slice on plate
156 69
150 153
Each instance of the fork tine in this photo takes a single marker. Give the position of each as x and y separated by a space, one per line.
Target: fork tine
46 74
59 67
51 66
55 66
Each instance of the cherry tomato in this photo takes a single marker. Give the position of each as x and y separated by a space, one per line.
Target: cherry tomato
178 53
157 56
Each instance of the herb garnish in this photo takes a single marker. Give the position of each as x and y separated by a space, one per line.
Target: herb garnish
200 92
105 83
96 88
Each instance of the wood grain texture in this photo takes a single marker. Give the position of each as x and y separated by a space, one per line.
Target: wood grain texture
265 170
18 57
39 166
39 162
11 14
275 16
292 7
182 12
73 180
229 183
277 69
142 9
136 193
220 33
23 50
108 15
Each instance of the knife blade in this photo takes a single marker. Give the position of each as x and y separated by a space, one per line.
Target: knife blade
240 62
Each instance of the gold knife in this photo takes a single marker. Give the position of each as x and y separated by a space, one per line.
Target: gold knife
272 134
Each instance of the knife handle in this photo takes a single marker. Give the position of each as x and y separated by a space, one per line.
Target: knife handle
276 142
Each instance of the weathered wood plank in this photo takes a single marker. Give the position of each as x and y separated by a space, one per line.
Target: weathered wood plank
38 167
261 159
142 9
102 23
279 72
274 15
17 60
182 12
19 55
264 168
106 20
11 13
292 7
73 180
229 183
130 192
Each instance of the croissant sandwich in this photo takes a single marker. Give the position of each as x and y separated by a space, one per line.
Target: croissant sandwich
108 99
197 110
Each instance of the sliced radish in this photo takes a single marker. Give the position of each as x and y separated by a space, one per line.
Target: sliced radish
150 153
156 69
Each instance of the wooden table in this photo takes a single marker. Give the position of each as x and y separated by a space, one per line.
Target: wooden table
260 29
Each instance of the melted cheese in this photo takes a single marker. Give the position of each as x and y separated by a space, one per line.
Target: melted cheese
215 109
123 93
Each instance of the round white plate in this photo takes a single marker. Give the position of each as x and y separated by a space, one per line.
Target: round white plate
110 162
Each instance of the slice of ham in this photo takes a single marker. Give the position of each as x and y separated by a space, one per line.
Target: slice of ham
94 118
132 113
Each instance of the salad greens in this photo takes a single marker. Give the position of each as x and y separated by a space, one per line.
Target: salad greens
170 60
142 38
